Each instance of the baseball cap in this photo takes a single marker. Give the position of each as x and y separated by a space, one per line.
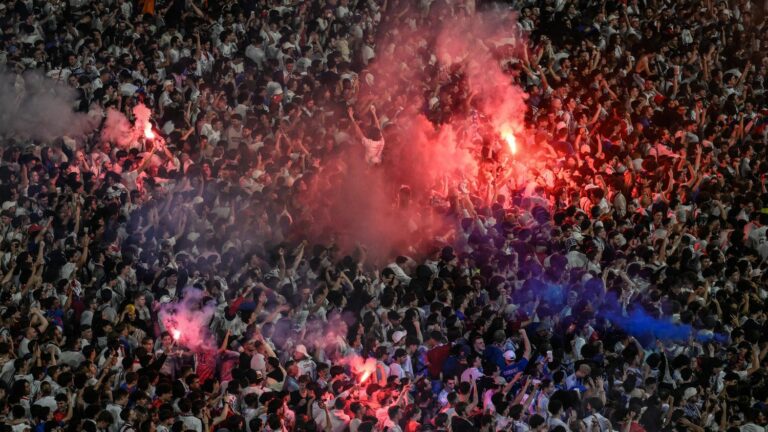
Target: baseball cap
398 336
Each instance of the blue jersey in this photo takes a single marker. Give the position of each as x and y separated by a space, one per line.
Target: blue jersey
509 371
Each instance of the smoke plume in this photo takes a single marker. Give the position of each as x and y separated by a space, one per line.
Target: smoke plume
35 107
119 130
188 320
425 159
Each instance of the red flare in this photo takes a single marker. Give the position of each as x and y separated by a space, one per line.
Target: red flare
148 133
511 141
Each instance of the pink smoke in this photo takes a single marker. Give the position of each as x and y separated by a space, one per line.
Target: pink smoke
188 320
361 368
119 130
356 202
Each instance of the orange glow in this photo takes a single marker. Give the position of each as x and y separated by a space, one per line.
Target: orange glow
364 376
511 141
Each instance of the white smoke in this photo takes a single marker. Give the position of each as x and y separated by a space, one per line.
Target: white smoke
35 107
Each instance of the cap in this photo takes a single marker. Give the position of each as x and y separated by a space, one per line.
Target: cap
689 393
301 349
509 355
398 336
34 228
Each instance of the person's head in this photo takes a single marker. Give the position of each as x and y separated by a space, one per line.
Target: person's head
478 343
121 396
395 414
104 420
594 405
583 371
537 423
374 133
450 384
357 409
193 381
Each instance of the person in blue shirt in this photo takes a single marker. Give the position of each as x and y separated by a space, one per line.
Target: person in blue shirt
512 367
493 353
576 380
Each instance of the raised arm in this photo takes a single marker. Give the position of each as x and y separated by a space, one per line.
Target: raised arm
358 131
375 117
526 344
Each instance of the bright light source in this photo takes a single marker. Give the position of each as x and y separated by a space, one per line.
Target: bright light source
148 134
511 141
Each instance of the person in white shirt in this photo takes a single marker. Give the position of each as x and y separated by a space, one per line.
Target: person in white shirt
555 410
304 362
400 272
392 423
339 419
374 142
190 421
396 367
594 421
358 410
471 374
46 398
116 407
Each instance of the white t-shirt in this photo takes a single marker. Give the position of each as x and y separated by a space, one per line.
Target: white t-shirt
192 423
373 150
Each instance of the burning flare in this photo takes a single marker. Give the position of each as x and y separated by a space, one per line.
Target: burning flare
511 141
364 376
176 334
148 133
361 367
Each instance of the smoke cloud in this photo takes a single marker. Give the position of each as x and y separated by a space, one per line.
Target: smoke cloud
646 328
430 157
35 107
119 130
363 369
188 319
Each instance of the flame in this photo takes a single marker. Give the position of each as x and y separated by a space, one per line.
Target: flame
176 334
511 141
148 133
364 376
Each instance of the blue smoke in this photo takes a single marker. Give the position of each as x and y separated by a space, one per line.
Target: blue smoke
639 323
647 329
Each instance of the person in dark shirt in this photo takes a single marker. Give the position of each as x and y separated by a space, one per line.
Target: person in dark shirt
300 399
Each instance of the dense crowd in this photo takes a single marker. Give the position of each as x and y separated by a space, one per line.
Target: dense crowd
609 276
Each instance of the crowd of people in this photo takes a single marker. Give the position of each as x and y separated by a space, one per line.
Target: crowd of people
608 275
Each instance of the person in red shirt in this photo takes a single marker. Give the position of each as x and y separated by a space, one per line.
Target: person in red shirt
436 356
63 409
413 415
205 359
